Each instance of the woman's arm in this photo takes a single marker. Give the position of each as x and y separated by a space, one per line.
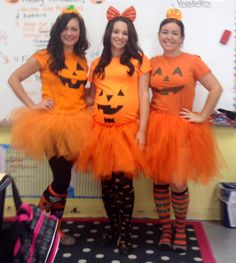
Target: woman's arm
23 72
210 82
144 107
20 74
213 86
90 94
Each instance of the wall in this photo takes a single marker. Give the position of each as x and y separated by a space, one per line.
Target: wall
26 25
204 203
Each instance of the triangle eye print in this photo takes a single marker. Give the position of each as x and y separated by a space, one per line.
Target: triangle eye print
73 77
165 91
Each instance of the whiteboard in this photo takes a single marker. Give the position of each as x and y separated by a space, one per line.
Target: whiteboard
25 26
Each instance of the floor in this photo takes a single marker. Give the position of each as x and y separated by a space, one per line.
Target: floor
222 240
144 238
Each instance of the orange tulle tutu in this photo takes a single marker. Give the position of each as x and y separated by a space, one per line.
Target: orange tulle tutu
178 151
113 149
40 132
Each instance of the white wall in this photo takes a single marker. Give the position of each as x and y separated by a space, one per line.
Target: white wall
24 28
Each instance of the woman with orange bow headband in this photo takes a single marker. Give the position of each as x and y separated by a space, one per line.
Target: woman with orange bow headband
180 143
119 80
59 125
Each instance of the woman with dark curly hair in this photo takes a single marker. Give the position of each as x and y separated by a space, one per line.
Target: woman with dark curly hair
58 126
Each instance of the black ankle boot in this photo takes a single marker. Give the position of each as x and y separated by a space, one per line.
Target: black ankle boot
124 245
109 238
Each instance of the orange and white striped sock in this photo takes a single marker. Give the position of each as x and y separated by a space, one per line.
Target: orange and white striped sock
53 202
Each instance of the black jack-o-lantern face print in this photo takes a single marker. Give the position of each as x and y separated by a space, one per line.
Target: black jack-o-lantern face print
166 78
73 77
108 110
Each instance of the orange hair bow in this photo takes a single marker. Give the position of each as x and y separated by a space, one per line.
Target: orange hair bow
129 13
70 9
174 13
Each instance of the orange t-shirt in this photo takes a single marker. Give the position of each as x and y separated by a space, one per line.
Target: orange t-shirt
117 95
66 89
173 81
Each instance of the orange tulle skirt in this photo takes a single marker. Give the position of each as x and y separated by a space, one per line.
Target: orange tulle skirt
178 151
38 133
113 149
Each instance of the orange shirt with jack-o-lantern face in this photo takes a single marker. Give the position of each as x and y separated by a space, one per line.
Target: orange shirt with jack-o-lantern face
117 95
173 81
67 88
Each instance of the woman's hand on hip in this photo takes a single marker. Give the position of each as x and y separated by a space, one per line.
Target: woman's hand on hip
191 116
46 104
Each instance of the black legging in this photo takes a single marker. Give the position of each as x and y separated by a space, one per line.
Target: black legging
61 170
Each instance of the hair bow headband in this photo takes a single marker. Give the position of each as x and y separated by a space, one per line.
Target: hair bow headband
70 9
129 13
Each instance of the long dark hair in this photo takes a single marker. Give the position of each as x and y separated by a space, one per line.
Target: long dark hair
132 50
173 20
55 45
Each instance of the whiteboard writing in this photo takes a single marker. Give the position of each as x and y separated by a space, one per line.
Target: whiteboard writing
25 27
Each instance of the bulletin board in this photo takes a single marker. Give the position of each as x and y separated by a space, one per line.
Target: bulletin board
25 26
31 176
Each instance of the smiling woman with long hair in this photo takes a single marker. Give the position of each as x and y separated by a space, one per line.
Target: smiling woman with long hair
119 79
180 143
57 127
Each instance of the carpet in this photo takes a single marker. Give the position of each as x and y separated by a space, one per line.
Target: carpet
145 235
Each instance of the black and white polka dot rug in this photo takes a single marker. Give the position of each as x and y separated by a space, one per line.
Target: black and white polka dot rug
145 236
